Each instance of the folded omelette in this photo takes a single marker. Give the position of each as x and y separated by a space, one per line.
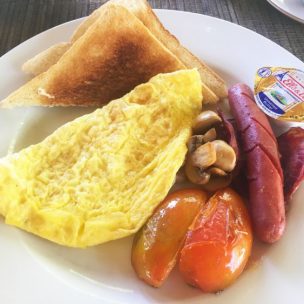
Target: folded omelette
99 177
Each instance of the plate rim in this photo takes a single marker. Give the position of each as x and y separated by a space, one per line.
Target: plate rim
285 12
179 12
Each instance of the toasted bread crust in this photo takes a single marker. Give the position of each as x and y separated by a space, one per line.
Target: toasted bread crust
119 43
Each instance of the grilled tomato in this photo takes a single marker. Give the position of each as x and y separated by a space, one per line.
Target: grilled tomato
218 243
157 244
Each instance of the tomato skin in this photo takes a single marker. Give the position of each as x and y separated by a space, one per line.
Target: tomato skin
218 243
156 246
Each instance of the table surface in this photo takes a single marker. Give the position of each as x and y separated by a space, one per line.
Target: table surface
22 19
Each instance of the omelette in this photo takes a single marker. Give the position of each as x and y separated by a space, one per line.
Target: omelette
100 176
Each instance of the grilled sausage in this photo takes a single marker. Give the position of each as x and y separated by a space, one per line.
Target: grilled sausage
264 172
291 146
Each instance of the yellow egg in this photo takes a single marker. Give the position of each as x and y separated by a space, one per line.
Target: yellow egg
99 177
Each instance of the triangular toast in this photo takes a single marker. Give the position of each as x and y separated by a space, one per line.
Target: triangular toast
214 87
114 55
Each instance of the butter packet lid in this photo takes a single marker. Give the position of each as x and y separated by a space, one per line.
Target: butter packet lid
279 92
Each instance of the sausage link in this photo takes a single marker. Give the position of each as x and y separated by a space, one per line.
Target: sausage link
264 171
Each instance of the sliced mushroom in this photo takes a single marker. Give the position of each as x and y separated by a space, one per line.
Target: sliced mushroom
209 135
208 163
194 142
205 121
194 174
197 140
216 171
225 156
204 156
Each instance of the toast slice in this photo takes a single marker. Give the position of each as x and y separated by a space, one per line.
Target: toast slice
122 53
214 87
144 12
44 60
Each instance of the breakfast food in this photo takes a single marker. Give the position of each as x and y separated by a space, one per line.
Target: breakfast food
214 86
291 146
209 160
211 240
99 177
264 172
102 176
44 60
156 246
218 243
94 75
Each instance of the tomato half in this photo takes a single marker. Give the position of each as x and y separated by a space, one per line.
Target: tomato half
157 244
218 244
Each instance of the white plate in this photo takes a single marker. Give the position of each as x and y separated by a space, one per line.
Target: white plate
36 271
291 8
